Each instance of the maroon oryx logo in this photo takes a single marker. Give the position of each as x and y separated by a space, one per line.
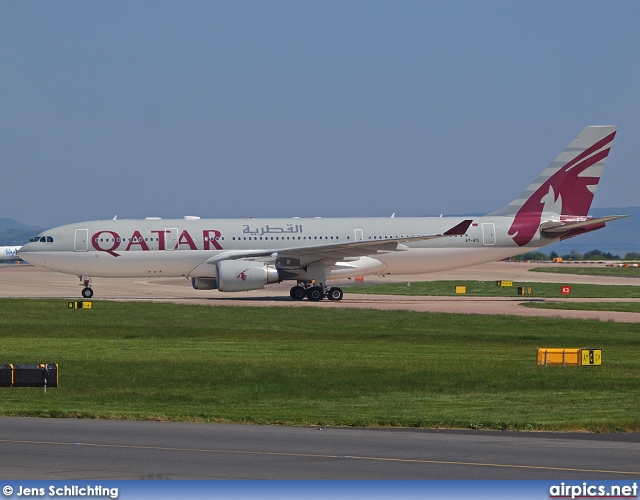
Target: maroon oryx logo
243 275
566 192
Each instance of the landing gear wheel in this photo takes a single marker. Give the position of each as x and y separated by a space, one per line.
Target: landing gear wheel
87 293
297 292
335 293
315 293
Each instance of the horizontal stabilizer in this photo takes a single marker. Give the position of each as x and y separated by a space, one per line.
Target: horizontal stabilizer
556 228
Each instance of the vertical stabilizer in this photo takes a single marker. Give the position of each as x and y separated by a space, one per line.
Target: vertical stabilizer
566 187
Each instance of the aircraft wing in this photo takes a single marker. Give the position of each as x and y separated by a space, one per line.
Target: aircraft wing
335 252
559 228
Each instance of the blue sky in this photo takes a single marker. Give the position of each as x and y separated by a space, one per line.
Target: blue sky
297 108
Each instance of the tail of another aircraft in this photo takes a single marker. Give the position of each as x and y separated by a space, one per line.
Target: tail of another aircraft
565 188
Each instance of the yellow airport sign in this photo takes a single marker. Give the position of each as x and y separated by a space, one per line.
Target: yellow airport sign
569 356
79 304
591 357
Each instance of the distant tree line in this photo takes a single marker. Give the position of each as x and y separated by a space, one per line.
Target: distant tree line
590 255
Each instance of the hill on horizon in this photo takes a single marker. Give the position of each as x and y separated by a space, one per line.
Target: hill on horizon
14 224
13 232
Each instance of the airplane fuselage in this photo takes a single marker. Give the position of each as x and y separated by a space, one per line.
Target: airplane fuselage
182 247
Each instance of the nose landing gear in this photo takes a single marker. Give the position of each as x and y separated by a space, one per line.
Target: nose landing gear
87 291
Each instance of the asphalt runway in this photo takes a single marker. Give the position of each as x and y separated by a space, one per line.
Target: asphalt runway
95 449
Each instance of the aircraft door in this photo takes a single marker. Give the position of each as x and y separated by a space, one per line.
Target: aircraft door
81 241
488 233
358 234
171 238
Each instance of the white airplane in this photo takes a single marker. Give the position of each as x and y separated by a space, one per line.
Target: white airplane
8 254
233 255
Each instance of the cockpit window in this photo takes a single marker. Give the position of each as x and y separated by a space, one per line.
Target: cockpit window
41 239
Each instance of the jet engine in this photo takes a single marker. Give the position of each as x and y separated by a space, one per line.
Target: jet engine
204 283
244 275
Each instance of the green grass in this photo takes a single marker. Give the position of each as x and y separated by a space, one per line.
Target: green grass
633 307
490 289
616 272
312 366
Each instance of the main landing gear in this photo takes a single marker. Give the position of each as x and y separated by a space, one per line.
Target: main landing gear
87 291
315 292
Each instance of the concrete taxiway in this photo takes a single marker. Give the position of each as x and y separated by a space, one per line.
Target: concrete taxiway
22 281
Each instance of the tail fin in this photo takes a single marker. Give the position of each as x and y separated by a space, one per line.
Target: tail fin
566 187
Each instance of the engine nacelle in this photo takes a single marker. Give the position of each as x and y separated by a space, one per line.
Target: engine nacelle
244 275
204 283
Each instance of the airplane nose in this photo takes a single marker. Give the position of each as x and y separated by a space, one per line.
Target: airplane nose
25 252
24 248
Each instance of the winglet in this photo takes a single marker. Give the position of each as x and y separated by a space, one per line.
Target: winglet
459 229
